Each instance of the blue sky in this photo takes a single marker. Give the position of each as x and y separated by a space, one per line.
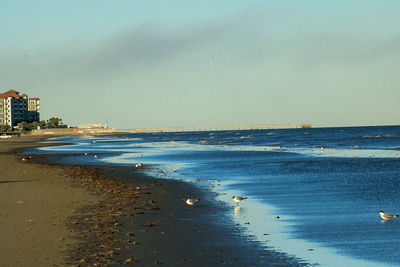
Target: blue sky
169 63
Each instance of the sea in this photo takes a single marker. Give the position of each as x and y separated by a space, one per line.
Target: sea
311 193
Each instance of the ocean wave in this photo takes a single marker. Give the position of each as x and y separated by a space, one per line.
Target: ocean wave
378 136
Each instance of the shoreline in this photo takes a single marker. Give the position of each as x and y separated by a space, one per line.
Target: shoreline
136 218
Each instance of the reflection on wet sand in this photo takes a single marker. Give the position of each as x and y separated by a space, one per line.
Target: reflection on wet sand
386 221
237 210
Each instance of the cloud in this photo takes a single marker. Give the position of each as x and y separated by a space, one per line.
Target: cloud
242 40
138 49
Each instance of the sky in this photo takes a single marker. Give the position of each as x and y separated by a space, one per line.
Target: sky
135 64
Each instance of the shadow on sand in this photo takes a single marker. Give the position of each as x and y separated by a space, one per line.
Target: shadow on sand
15 181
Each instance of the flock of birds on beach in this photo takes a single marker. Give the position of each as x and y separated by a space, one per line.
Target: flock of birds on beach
192 201
137 165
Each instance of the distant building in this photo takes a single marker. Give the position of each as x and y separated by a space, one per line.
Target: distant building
91 126
15 108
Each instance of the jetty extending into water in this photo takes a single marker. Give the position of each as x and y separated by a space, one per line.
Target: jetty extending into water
106 131
216 128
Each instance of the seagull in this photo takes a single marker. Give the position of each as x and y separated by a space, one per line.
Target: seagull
387 216
238 199
192 201
138 165
26 158
95 156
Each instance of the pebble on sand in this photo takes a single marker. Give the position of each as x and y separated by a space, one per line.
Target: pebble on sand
110 254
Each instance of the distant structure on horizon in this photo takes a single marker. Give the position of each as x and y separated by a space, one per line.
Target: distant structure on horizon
218 128
91 126
16 108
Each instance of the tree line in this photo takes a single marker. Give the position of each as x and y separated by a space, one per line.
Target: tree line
28 126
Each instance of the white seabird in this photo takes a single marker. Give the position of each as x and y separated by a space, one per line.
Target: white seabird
26 158
95 156
192 201
238 199
387 216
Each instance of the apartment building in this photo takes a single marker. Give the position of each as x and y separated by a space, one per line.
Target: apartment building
33 109
15 108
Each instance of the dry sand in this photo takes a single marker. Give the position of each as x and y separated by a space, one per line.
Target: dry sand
35 203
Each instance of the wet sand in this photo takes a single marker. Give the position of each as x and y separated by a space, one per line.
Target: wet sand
54 214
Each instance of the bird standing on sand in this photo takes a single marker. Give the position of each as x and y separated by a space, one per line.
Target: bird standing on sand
238 199
26 158
387 216
192 201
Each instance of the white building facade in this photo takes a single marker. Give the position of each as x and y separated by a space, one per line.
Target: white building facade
16 108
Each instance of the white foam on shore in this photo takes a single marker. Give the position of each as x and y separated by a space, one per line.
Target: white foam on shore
182 146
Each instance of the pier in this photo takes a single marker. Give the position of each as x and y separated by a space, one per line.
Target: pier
216 128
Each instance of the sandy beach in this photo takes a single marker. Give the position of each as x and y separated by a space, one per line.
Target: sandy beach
35 203
63 215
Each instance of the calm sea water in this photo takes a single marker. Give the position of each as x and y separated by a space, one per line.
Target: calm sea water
327 185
